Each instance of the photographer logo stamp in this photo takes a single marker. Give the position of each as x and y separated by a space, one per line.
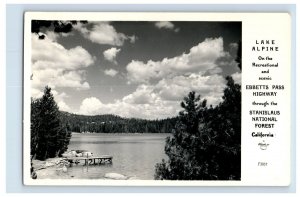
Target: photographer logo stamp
263 145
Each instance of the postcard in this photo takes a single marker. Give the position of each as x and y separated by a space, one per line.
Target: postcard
157 99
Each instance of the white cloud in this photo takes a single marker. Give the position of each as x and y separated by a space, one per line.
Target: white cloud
56 66
163 84
103 33
161 100
49 54
90 106
132 39
160 109
36 93
110 54
143 95
166 25
111 72
237 77
58 97
63 106
55 35
52 35
209 87
200 59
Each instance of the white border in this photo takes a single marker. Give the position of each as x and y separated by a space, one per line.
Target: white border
246 18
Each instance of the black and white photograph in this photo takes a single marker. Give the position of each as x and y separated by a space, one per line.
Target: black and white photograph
135 100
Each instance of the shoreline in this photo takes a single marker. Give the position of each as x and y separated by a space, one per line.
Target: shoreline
54 168
51 168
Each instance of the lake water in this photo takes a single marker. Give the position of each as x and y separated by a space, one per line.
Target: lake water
134 155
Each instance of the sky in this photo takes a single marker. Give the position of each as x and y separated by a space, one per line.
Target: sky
135 69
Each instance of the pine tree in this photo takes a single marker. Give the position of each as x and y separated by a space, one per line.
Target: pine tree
34 126
63 138
49 138
206 141
238 58
182 147
228 124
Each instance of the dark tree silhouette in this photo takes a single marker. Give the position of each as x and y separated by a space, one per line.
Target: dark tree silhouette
115 124
49 137
57 25
206 141
238 58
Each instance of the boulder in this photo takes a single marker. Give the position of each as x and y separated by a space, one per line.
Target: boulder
67 154
133 178
79 155
115 176
64 169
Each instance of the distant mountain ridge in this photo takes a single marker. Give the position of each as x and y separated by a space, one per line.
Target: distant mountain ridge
110 123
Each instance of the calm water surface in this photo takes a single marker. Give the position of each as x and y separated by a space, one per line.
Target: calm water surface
134 155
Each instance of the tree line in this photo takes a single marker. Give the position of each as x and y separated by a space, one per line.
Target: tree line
51 129
115 124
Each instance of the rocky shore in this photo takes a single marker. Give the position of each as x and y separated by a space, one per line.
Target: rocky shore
57 168
51 168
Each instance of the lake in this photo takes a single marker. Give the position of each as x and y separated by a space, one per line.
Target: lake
134 155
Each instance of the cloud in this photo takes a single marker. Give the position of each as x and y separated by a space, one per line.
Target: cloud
166 25
143 95
160 109
162 85
52 35
160 100
90 106
132 39
209 87
237 77
110 54
103 33
59 78
47 53
58 97
63 106
200 59
36 93
111 72
56 66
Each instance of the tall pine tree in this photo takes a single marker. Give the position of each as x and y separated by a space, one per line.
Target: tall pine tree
206 141
49 138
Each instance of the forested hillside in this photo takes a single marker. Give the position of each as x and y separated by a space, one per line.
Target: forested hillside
115 124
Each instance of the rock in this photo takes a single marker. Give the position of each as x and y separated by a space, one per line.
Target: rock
33 175
79 155
49 164
115 176
64 169
65 155
133 178
81 151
